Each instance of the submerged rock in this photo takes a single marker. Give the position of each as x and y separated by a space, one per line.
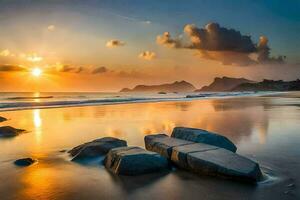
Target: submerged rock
134 161
2 119
24 162
8 131
203 136
203 158
96 148
163 144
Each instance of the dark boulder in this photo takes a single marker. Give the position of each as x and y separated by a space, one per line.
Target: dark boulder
134 161
8 131
24 162
96 148
224 163
203 136
2 119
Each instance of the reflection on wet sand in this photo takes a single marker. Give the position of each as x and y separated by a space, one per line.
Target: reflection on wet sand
252 123
66 127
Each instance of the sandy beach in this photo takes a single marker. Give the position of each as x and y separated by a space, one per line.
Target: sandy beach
265 129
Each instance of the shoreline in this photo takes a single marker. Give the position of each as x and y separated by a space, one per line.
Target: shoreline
67 104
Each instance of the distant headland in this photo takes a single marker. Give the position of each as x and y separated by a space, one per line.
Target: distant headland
220 84
177 86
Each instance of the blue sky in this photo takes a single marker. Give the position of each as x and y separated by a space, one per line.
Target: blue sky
81 30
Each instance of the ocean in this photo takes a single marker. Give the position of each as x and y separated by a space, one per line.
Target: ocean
264 129
32 100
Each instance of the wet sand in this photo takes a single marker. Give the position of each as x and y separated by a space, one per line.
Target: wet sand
266 129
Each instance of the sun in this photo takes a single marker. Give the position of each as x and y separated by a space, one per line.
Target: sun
36 72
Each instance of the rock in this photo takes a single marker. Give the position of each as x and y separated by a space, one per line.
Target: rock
24 162
203 136
134 161
203 158
161 93
179 153
8 131
2 119
163 144
96 148
210 160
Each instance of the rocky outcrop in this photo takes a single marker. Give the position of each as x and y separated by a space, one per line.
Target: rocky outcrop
203 136
134 161
2 119
203 158
269 85
96 148
224 84
24 162
177 86
8 131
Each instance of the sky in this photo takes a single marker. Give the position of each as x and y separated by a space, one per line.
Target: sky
105 45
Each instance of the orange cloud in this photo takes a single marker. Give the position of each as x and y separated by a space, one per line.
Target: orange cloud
147 55
114 43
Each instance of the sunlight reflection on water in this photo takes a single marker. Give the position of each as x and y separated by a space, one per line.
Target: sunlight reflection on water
255 124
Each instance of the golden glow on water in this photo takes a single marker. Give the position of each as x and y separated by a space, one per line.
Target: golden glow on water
66 127
37 118
246 121
37 121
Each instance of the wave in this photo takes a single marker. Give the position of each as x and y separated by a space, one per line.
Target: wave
5 106
31 105
29 98
220 94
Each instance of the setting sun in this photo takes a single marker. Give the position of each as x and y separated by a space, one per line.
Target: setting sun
36 72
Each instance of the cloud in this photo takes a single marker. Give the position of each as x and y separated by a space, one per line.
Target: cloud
12 68
51 28
131 74
79 70
66 68
33 57
99 70
147 55
114 43
228 46
5 53
263 52
167 40
227 57
216 38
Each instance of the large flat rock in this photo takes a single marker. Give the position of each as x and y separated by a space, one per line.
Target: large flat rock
179 153
221 162
163 144
203 136
96 148
134 161
204 159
